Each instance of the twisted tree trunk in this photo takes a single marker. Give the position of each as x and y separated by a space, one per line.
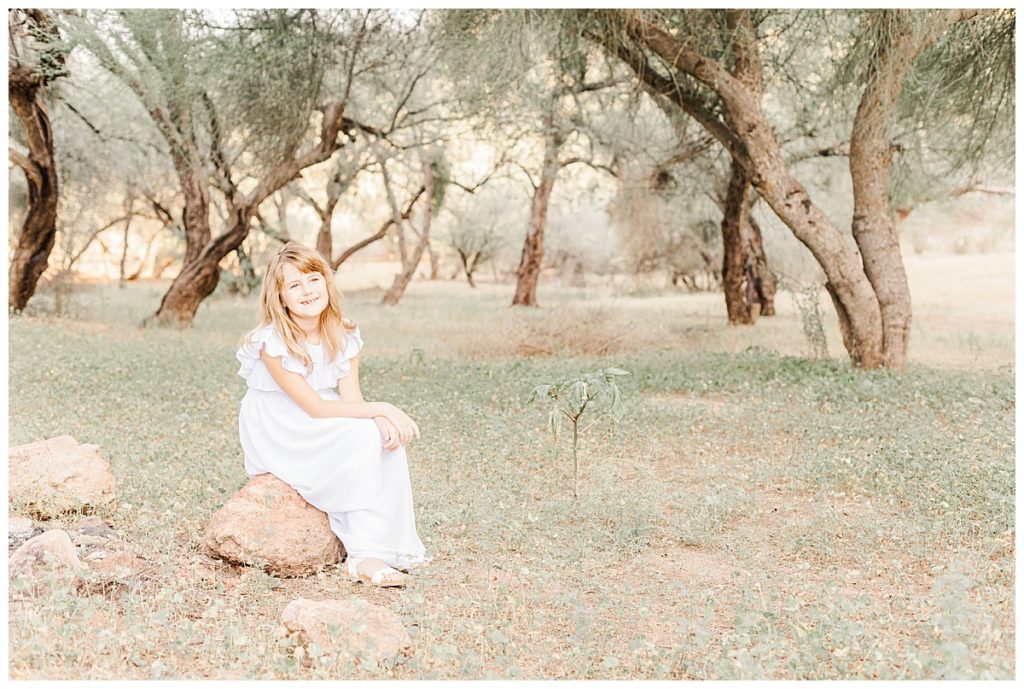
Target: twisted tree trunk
39 229
753 144
874 227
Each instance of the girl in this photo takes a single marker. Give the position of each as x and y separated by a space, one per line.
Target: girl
344 455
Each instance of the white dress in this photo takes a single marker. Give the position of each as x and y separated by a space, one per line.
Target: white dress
339 465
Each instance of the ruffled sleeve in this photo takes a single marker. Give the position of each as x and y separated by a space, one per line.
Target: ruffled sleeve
353 343
252 368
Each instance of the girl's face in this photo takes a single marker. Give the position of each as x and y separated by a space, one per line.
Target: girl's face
303 294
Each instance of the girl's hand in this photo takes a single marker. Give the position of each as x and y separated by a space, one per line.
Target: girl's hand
407 428
388 432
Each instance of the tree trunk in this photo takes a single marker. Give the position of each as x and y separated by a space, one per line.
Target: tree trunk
193 284
469 264
435 267
122 268
324 241
411 261
874 228
528 273
39 229
201 271
734 259
752 142
195 188
760 276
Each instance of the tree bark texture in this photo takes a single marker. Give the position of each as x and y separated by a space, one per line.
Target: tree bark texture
122 273
528 273
761 279
412 260
39 229
874 227
734 254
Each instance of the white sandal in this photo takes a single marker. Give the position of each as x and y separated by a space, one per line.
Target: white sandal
378 577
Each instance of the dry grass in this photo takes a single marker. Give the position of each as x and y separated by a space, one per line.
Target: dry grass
754 516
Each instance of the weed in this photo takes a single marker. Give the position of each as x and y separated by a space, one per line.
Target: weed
572 397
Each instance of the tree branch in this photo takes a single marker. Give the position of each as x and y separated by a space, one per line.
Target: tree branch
380 234
30 169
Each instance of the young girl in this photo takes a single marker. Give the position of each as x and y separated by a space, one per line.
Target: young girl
344 455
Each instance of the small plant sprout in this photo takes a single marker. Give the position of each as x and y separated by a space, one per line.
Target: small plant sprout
592 394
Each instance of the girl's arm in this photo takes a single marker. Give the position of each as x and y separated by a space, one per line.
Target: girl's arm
348 387
296 387
402 429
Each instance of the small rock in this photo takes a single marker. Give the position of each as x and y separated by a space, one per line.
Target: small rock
86 541
122 564
31 556
89 522
58 475
359 621
268 524
94 526
112 570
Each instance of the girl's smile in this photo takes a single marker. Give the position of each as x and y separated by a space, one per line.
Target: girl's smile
303 294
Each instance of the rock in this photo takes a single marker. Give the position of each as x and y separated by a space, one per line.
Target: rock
49 550
94 526
19 527
119 564
268 524
85 541
113 569
363 631
59 475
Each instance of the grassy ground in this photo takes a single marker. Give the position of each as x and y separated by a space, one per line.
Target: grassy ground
755 514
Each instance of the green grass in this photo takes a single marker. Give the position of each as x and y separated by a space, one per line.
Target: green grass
753 515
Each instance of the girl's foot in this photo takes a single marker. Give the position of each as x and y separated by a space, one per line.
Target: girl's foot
374 571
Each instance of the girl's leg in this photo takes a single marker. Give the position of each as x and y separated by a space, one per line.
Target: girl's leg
387 531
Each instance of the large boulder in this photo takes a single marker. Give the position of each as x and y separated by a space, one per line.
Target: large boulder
353 629
269 525
58 475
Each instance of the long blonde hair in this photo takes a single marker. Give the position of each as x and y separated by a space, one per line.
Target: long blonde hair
333 323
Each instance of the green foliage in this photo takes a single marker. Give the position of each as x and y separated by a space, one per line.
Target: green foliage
572 397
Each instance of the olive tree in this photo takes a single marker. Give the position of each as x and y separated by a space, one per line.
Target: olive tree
243 109
37 60
669 51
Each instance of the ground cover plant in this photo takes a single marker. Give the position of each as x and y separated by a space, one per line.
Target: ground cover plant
755 515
